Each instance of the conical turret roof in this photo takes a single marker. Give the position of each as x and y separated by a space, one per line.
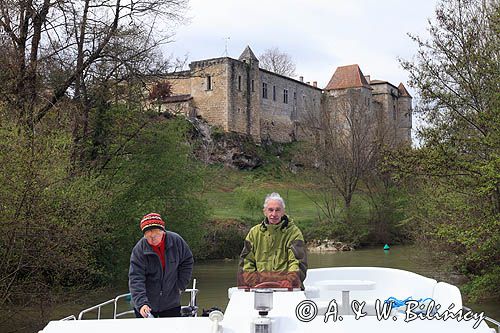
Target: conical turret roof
402 90
248 55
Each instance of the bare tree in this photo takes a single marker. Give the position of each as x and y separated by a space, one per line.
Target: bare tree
278 62
76 37
71 51
345 144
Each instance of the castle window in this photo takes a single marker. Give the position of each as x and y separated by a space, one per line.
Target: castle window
253 89
239 82
285 96
264 90
394 112
274 93
209 82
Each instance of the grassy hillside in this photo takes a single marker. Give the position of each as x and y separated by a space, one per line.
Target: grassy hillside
238 196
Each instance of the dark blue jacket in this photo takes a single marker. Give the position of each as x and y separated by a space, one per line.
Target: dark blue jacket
149 283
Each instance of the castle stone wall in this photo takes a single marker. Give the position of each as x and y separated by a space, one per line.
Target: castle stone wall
211 102
395 111
405 119
280 117
244 106
230 93
181 83
184 108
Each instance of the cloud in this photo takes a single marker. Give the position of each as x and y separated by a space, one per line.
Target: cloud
320 35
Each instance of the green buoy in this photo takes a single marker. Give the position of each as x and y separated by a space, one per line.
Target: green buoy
386 247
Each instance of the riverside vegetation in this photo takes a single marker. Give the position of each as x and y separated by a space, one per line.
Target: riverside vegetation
82 159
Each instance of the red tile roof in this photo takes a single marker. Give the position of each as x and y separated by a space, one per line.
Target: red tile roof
347 77
403 91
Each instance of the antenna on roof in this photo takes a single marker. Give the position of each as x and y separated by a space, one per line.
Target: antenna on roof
226 40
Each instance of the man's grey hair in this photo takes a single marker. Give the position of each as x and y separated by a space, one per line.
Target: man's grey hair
274 196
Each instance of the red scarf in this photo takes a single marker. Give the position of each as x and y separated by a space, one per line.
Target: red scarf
160 251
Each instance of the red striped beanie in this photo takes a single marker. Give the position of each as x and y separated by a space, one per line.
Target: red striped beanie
150 221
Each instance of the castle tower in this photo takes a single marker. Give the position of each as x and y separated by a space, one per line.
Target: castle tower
347 77
405 114
347 91
244 94
207 84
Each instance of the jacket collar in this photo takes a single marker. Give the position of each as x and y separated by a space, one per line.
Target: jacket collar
283 223
168 243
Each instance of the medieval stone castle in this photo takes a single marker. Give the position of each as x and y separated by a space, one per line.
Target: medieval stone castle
236 95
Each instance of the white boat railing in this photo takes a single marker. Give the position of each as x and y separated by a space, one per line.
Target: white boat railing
192 300
120 314
98 307
192 305
487 319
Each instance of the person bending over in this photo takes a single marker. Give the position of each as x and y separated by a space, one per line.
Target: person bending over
161 264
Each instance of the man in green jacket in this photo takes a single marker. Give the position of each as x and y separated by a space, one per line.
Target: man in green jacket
274 253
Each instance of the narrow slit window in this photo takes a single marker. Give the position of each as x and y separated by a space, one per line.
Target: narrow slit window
209 82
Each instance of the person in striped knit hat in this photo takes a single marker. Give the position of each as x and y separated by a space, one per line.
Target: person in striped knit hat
161 264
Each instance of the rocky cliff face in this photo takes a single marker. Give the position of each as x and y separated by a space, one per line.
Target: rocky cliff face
213 146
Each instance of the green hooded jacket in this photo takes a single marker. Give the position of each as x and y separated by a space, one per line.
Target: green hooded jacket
277 248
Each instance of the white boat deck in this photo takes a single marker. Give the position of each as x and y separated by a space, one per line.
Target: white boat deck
322 285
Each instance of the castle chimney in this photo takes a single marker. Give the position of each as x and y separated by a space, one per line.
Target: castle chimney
315 84
301 78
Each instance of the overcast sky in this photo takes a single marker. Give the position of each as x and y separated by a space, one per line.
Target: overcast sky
320 35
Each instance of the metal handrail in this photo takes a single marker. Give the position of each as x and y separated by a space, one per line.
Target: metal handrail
72 317
192 299
98 307
488 319
116 315
192 303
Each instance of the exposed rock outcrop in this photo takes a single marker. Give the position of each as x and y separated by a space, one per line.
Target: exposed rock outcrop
231 149
327 245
